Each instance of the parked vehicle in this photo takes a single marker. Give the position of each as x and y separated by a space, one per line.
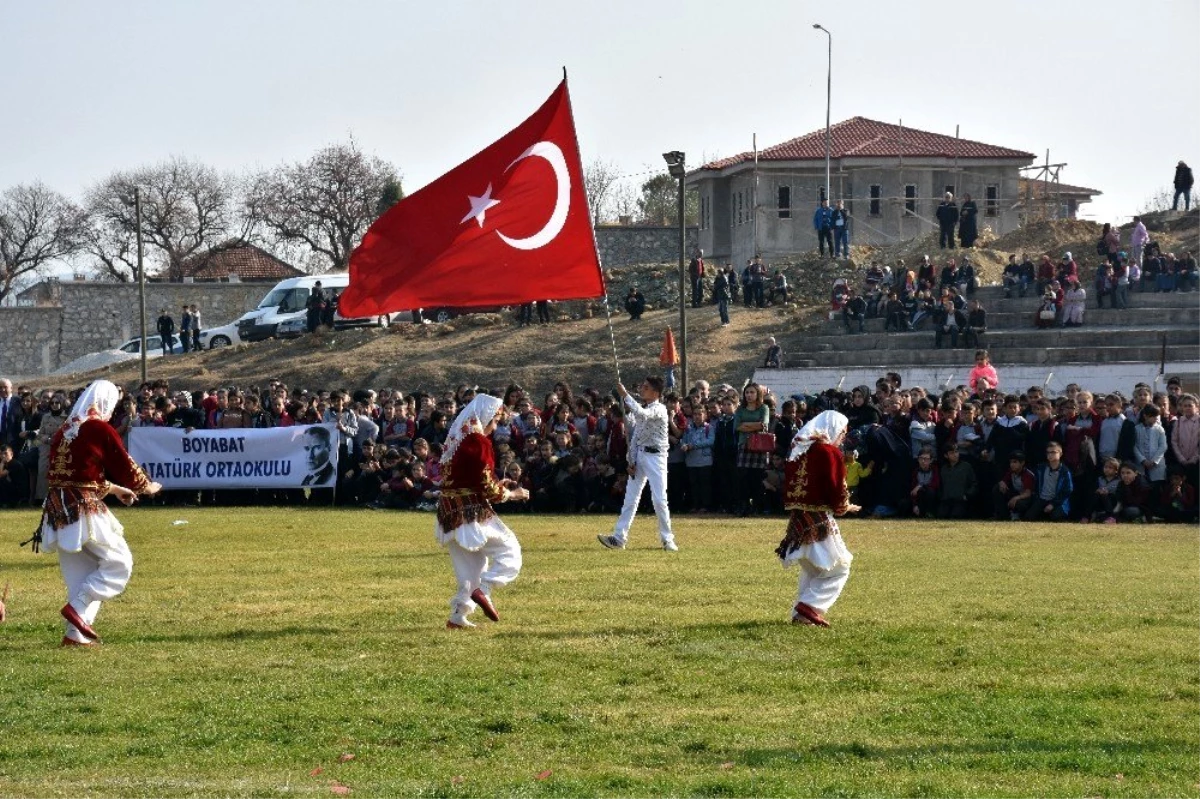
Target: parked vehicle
223 336
288 300
383 320
153 346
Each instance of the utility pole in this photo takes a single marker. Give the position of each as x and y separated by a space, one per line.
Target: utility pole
137 214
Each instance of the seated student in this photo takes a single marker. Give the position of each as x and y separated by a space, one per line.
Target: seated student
926 485
1074 303
1105 285
895 316
1134 497
1187 278
1013 280
1177 501
1047 311
1102 501
976 325
947 320
1052 498
854 311
1012 496
958 485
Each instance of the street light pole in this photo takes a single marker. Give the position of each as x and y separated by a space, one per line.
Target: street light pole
676 166
828 105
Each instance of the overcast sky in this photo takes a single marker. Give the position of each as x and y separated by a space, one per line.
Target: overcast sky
91 87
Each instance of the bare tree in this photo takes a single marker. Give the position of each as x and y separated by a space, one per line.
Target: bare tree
110 249
326 203
598 179
37 225
186 207
1160 200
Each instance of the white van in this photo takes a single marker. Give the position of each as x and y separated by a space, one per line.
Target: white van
287 301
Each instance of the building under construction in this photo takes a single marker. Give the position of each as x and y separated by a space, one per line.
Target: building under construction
892 179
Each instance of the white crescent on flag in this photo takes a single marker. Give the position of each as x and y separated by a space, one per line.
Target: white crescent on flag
562 203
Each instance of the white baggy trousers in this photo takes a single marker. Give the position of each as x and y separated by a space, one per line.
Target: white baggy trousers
650 469
95 562
484 555
824 569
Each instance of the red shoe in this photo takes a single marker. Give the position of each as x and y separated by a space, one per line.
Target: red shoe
69 613
485 604
453 625
812 614
72 642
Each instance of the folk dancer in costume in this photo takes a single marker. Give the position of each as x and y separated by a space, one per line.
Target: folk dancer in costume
647 463
815 492
484 552
87 463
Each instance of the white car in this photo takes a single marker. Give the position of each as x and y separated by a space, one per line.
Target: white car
223 336
153 346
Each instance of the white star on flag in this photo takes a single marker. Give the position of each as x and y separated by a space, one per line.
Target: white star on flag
480 205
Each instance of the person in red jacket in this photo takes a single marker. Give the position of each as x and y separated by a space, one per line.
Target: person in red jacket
87 463
484 552
815 493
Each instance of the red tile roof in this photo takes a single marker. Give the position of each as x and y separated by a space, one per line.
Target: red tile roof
244 260
866 138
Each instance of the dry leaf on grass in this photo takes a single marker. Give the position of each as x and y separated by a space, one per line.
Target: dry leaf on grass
346 757
727 765
339 789
544 774
458 779
318 771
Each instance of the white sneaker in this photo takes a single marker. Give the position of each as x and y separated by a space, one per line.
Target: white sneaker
610 542
670 546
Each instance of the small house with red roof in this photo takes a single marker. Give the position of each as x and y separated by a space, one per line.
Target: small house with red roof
248 262
890 177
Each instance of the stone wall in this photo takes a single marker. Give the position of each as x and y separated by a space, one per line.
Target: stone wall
92 316
628 244
29 340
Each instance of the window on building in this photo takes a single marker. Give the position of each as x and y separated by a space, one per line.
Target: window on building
740 207
950 189
785 202
991 200
876 205
910 199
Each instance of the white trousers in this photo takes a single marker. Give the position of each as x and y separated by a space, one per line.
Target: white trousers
94 573
651 469
820 587
496 563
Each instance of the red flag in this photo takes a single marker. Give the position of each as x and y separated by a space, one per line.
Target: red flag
506 227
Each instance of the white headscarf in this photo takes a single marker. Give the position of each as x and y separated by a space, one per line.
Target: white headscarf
98 401
826 426
471 419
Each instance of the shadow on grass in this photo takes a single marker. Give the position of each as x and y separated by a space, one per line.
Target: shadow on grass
744 629
1012 747
238 635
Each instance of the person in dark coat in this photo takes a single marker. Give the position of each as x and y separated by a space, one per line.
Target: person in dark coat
166 332
947 217
635 304
315 307
1183 185
967 231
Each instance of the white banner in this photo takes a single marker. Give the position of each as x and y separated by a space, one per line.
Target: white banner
277 457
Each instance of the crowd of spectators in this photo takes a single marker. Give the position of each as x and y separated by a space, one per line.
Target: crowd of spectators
967 452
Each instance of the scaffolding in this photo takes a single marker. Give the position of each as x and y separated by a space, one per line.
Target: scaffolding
1047 205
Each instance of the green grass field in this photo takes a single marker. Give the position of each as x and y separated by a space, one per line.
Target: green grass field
257 649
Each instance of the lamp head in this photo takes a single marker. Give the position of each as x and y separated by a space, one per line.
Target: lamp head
675 163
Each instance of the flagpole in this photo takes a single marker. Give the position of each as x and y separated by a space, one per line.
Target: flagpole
612 336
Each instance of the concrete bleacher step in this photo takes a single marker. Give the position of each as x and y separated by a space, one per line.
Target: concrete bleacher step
1023 319
1171 301
928 356
1078 337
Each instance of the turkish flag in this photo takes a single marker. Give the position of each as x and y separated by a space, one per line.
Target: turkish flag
506 227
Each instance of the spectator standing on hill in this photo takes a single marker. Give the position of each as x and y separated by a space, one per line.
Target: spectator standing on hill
732 279
696 273
315 306
197 324
1137 240
823 225
967 230
722 295
1183 186
947 217
166 332
185 329
1111 241
841 230
815 494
